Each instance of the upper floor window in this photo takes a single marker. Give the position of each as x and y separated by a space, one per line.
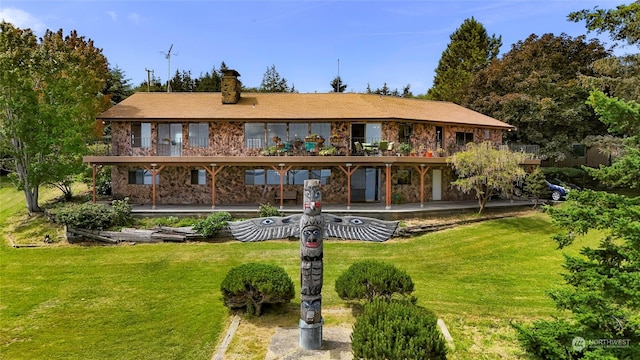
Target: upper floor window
142 177
261 135
141 135
463 138
254 136
405 132
199 135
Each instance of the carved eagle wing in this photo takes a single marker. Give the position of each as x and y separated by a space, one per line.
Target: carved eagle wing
266 228
358 228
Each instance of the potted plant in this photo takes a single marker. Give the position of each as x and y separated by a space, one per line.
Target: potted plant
440 152
329 151
404 148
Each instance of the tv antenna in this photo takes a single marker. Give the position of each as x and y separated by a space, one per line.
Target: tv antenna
167 56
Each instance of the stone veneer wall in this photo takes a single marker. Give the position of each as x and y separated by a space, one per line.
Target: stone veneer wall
175 187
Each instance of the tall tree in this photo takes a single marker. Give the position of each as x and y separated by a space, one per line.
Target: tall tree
338 85
48 100
470 50
535 87
273 82
602 299
622 23
485 171
117 87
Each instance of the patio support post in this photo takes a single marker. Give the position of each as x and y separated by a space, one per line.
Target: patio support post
95 168
213 172
154 171
388 186
348 171
282 171
422 170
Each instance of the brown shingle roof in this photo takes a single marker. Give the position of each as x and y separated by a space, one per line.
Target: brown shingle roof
292 107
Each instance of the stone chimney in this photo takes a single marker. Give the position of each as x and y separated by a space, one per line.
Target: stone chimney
230 87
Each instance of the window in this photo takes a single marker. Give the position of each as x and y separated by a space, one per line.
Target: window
373 133
404 133
141 135
141 177
463 138
297 177
199 135
198 177
487 134
276 129
322 129
293 177
578 150
254 135
321 174
298 131
254 177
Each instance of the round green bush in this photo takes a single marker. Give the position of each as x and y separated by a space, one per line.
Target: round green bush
251 285
397 330
369 279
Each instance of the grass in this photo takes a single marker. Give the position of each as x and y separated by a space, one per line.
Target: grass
162 301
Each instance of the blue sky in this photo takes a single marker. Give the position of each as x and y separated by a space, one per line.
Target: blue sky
368 42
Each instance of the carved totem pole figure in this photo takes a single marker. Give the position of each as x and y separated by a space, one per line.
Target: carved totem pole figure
311 227
311 252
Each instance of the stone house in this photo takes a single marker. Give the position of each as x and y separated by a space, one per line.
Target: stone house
230 148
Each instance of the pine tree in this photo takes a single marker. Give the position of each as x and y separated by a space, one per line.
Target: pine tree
470 50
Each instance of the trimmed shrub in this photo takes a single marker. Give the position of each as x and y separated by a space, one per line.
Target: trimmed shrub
251 285
212 223
94 216
397 330
85 216
369 279
267 210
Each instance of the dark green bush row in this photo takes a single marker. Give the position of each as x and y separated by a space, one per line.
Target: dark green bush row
94 216
212 223
369 279
251 285
397 330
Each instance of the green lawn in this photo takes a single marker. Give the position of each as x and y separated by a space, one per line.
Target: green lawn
162 301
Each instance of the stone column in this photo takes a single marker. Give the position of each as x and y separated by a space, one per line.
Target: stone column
311 252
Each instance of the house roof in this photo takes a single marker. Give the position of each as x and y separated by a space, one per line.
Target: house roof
291 107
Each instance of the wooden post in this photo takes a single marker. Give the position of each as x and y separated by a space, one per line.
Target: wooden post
213 172
422 170
282 171
154 171
93 182
348 171
388 186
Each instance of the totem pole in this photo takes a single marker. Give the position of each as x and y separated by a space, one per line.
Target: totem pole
311 227
311 251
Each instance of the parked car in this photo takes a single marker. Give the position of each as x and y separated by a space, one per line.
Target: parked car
557 191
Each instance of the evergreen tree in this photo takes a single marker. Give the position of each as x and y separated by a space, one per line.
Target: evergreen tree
273 82
117 87
470 50
338 85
